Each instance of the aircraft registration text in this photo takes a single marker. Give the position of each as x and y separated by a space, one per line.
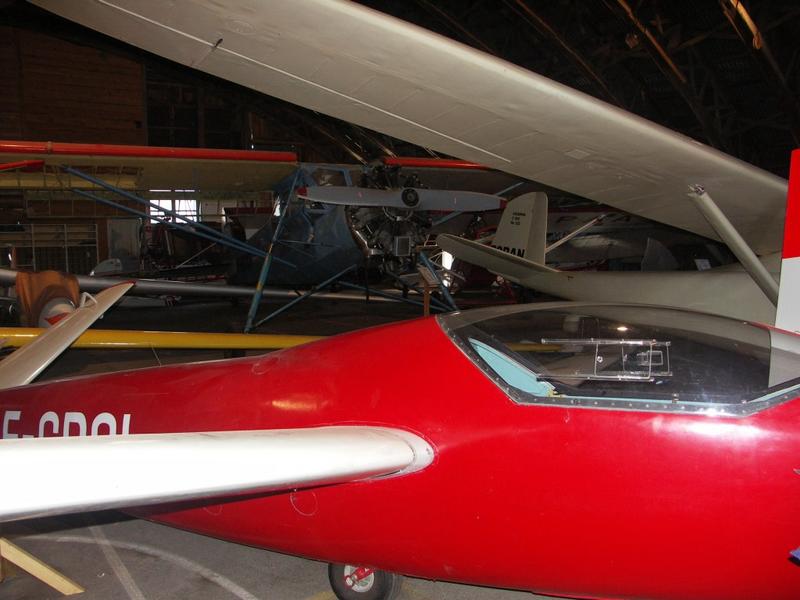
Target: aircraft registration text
70 423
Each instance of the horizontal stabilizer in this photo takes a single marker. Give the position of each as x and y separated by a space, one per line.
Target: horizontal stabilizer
497 261
407 198
24 365
51 476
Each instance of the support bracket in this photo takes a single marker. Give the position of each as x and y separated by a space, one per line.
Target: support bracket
728 233
13 554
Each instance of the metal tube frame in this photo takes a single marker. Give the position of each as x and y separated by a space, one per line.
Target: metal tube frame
574 232
267 264
395 297
442 287
231 241
302 297
253 250
441 305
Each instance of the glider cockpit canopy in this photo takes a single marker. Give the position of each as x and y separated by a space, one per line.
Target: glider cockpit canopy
630 357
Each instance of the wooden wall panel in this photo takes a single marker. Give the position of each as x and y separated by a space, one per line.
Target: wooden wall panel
69 93
10 85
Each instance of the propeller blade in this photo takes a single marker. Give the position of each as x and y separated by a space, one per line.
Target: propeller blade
456 200
405 198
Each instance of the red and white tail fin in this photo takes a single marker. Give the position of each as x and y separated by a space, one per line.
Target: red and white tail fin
788 315
523 227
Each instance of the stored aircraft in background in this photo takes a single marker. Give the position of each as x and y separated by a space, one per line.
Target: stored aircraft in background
136 187
321 235
520 256
407 82
339 216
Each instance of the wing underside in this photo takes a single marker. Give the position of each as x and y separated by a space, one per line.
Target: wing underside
365 67
145 469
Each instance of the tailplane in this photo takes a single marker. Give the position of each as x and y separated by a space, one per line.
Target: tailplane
523 227
788 314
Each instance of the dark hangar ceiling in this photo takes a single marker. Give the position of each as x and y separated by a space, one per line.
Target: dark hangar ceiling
724 72
695 66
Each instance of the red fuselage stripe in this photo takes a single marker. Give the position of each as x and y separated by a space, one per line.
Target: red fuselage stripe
791 227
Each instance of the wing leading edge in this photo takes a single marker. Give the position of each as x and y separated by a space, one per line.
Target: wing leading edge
25 364
365 67
135 470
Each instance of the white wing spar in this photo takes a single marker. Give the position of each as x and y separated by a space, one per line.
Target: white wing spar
365 67
25 364
50 476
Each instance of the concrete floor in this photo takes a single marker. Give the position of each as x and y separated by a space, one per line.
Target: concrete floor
115 557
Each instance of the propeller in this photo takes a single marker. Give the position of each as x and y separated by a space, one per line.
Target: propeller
403 198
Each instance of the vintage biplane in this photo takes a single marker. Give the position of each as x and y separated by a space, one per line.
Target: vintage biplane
111 183
338 216
101 181
325 231
591 451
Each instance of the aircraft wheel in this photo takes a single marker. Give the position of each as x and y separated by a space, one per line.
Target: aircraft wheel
350 582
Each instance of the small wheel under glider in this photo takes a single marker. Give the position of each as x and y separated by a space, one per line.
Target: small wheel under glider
351 582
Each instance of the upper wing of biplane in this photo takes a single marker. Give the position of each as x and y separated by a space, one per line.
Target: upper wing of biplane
39 166
365 67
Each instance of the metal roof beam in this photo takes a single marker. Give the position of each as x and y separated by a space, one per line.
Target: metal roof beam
759 49
535 19
671 71
455 24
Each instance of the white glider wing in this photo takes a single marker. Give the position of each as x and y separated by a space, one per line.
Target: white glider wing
354 63
155 468
25 364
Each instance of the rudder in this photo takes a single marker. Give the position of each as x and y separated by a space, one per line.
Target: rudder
523 227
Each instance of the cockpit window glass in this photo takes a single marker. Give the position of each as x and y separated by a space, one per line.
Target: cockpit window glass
635 357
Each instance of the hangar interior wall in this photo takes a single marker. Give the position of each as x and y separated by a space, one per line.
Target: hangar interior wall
52 89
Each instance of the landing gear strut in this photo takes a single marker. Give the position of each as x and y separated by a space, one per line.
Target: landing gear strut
350 582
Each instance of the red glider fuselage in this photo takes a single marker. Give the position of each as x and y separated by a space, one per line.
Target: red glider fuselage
566 501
